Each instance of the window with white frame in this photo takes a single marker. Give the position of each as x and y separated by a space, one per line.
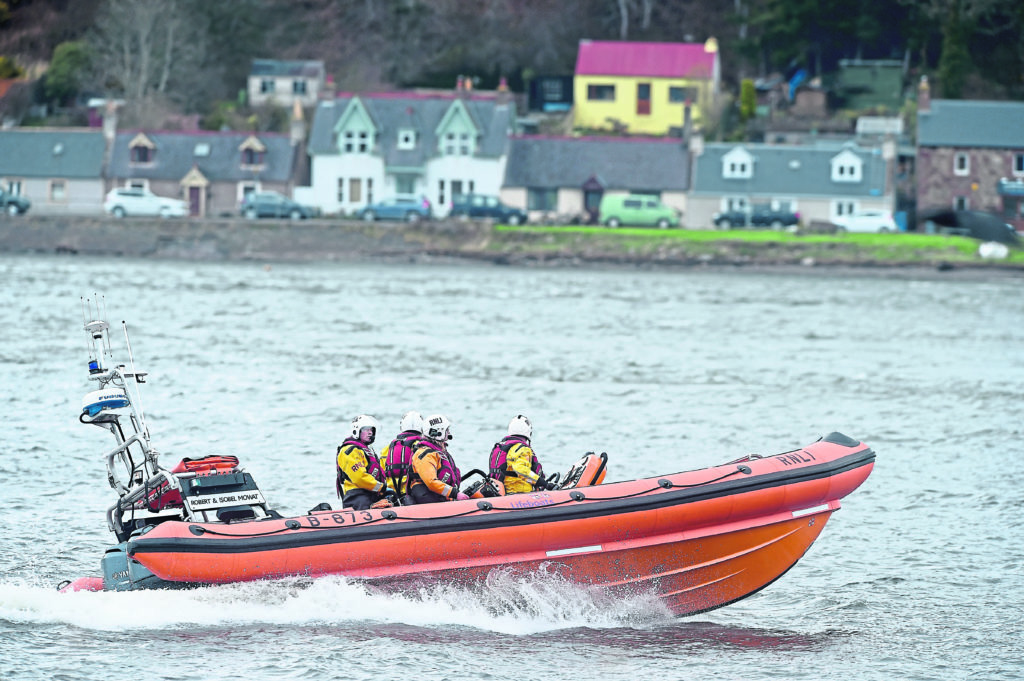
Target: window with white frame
14 187
267 85
1018 164
369 190
341 190
406 139
246 188
961 164
464 144
364 142
449 144
961 203
735 203
58 191
299 86
843 207
440 192
350 141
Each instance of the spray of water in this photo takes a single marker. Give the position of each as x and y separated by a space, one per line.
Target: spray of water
503 603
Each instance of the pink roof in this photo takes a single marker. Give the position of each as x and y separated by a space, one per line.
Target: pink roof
656 60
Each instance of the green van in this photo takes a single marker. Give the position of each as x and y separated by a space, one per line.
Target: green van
642 210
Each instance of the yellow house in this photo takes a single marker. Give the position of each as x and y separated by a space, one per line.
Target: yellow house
643 88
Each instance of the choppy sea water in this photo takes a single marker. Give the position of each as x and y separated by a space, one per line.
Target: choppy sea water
918 576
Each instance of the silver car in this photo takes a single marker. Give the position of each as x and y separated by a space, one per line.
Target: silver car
135 201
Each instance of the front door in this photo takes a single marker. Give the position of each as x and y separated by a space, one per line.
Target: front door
643 99
194 194
593 192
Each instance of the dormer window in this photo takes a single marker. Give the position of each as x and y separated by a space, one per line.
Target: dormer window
738 164
406 139
141 149
364 142
464 149
449 144
847 167
253 152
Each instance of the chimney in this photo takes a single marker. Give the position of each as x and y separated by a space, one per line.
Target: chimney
329 90
924 96
109 134
110 121
298 127
889 156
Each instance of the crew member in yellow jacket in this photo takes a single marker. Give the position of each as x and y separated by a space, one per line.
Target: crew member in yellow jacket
360 478
514 462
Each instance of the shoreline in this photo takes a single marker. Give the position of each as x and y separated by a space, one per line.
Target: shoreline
240 240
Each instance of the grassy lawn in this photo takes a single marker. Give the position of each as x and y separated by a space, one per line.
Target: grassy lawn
886 248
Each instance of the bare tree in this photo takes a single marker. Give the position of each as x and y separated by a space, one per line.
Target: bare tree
145 49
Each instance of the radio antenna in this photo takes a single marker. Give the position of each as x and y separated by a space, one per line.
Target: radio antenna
135 375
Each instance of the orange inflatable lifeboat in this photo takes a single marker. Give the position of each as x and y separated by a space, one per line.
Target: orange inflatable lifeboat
697 539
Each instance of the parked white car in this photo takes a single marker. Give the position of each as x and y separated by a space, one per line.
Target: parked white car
867 221
135 201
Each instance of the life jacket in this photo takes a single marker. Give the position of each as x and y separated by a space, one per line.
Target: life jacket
400 451
498 463
373 466
448 472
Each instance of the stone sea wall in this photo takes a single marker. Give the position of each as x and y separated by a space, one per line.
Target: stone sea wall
234 239
338 240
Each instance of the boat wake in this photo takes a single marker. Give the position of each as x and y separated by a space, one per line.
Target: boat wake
504 603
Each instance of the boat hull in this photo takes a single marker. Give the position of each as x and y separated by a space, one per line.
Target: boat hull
698 539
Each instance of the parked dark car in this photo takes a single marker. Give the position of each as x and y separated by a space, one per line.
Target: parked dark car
14 205
760 216
408 208
274 205
481 206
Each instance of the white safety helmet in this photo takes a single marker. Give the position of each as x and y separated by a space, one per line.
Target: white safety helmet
412 420
364 428
520 425
438 428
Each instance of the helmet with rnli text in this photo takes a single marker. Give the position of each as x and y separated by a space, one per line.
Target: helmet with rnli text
412 420
364 428
520 425
438 428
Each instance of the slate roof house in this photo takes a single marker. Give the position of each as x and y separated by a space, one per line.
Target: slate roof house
643 88
821 182
970 156
568 176
59 170
274 81
212 171
365 147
